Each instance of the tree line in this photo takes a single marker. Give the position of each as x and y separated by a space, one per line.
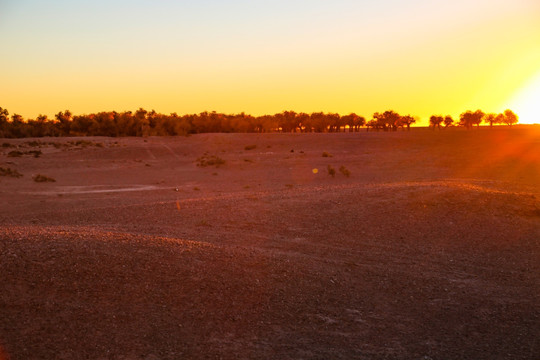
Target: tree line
151 123
469 118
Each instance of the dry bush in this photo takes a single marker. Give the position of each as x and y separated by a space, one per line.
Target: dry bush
43 178
10 172
344 171
325 154
210 160
15 153
331 171
250 147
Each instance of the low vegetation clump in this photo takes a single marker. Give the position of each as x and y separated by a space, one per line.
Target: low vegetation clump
17 153
43 178
325 154
8 145
85 143
331 171
344 171
210 160
35 143
10 172
250 147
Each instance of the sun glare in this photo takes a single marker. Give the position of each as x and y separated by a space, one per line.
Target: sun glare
526 103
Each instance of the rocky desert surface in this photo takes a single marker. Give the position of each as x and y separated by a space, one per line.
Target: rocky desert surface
371 245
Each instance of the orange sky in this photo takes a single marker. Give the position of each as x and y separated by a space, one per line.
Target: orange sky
417 57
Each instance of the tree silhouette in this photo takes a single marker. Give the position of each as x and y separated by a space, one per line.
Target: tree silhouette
387 120
435 121
373 124
144 123
4 117
510 118
353 121
64 122
491 119
448 121
408 120
469 118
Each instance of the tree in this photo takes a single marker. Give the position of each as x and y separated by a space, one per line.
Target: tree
317 121
143 127
303 121
510 118
4 116
448 121
17 126
358 122
288 121
373 124
469 118
435 121
64 122
408 120
353 121
490 119
388 120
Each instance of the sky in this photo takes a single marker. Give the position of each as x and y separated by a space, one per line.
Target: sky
418 57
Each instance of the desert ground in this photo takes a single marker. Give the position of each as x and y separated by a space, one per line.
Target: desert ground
142 249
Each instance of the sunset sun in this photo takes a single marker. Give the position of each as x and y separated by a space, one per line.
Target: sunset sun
526 101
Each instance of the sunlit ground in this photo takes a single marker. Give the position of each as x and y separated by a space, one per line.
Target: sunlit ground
526 103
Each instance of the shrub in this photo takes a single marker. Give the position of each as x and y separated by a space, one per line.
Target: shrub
331 171
325 154
33 143
36 153
210 160
344 171
15 153
9 172
8 145
250 147
43 178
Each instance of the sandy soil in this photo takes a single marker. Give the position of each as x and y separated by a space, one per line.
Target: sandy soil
429 250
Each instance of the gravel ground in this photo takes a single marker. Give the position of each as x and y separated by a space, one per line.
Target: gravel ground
430 249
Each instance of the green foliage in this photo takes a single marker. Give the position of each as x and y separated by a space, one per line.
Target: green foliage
10 173
43 178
